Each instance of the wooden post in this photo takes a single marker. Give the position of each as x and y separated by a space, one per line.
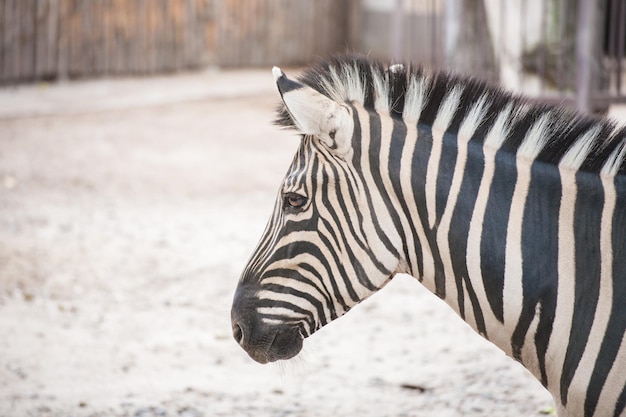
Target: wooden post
397 34
354 21
62 45
584 54
3 26
590 75
11 41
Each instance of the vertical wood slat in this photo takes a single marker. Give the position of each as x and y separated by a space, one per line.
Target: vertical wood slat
42 28
140 36
180 21
3 27
188 33
151 46
62 47
157 22
113 35
620 46
27 38
95 47
73 40
211 31
11 44
166 46
224 48
49 40
86 31
23 35
245 38
130 38
204 32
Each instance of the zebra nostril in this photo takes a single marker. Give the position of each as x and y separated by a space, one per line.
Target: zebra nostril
237 333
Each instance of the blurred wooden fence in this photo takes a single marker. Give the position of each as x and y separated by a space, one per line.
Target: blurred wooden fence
267 32
50 39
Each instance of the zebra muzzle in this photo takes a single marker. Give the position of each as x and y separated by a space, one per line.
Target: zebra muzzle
267 343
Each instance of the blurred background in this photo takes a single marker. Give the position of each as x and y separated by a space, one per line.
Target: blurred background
138 166
568 50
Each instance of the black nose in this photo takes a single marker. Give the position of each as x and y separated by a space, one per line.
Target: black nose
237 332
266 343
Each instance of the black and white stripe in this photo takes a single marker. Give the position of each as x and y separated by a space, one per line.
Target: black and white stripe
514 213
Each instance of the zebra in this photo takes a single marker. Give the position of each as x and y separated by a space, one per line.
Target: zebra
512 212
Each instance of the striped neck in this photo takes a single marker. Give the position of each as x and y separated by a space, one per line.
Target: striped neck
527 252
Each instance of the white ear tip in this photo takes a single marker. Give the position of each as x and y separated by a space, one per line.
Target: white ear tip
277 73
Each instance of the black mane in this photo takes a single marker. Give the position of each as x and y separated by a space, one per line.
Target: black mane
565 125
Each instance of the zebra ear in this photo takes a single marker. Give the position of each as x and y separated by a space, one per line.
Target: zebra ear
315 114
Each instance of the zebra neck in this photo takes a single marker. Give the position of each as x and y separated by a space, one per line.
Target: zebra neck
463 203
463 195
519 248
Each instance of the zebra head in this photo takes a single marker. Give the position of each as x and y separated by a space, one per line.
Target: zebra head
323 250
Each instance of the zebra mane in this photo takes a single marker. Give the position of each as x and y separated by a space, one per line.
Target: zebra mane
550 133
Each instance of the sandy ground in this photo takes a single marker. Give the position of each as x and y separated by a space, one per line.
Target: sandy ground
127 210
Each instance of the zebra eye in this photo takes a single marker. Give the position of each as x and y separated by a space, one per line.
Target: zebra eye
293 200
